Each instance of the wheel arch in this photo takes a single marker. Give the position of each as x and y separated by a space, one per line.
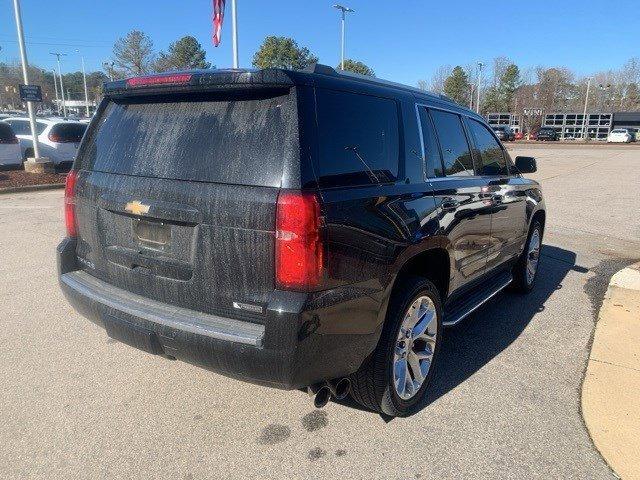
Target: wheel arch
540 215
433 262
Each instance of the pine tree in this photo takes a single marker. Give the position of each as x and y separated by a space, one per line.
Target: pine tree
357 67
282 52
457 87
184 54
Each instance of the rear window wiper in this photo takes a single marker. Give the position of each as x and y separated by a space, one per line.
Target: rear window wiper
372 176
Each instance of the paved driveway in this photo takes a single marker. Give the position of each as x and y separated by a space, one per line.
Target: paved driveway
505 402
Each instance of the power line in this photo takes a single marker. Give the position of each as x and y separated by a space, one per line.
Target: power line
62 39
60 44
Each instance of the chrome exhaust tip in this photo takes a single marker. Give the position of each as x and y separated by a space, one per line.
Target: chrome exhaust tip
340 388
320 393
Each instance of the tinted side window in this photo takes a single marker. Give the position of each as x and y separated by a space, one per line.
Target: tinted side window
431 149
456 155
491 155
359 139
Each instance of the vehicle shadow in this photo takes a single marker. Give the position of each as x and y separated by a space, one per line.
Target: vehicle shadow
492 328
473 343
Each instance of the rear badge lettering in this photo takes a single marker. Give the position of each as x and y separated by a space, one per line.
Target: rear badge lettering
248 307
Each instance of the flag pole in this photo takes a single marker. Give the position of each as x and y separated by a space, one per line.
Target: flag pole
25 76
234 26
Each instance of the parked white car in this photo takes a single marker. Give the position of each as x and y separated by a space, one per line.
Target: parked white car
620 135
10 153
58 139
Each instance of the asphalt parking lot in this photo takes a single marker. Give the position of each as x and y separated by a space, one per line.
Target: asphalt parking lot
505 402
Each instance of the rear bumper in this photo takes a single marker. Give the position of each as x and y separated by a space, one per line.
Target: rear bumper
10 157
302 340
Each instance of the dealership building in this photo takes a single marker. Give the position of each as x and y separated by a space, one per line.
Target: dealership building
570 126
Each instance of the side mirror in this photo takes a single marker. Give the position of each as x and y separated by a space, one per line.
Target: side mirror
526 164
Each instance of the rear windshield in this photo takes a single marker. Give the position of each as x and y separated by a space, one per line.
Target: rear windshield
6 134
69 132
222 138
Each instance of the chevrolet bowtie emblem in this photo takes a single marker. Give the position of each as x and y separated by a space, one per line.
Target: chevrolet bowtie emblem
137 208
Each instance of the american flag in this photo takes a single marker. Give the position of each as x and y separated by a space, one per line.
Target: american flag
218 16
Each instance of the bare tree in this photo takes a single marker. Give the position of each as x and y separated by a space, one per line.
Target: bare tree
499 67
549 88
556 88
423 85
133 54
439 77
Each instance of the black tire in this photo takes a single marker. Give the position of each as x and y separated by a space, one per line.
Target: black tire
372 385
521 283
28 153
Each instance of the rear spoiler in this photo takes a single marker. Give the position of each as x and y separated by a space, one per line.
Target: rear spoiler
203 81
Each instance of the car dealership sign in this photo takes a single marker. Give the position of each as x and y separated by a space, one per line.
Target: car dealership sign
30 93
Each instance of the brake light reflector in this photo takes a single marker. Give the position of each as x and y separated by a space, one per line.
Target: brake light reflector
159 80
299 256
70 203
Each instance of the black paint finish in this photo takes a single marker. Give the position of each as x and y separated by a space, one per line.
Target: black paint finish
215 241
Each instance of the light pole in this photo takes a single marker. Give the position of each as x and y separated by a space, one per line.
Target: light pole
25 75
64 105
55 86
584 113
84 79
343 10
480 65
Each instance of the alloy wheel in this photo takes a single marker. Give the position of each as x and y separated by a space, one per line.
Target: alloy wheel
533 256
414 347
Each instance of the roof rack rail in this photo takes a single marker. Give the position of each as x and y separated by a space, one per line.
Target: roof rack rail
327 70
391 83
320 68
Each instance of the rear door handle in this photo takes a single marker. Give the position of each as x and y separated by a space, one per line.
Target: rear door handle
449 204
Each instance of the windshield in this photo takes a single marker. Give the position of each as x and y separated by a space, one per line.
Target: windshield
233 138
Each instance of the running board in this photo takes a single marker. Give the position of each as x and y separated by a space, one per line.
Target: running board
476 298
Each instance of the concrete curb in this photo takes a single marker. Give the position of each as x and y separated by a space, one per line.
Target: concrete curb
611 387
31 188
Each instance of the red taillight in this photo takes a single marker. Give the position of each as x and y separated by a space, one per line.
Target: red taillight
54 137
70 203
159 80
299 261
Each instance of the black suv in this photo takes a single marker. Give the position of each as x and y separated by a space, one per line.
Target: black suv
546 134
297 229
504 133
